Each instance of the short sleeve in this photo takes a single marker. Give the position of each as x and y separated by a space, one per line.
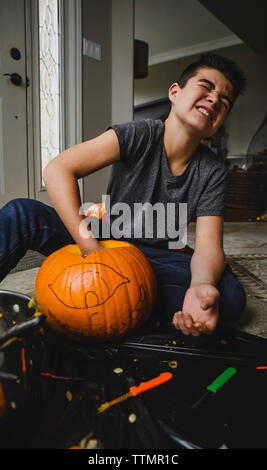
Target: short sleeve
133 139
213 196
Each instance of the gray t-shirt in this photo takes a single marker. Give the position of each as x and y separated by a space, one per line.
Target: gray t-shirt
145 195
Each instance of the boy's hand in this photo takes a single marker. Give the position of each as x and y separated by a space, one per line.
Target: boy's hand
200 310
89 248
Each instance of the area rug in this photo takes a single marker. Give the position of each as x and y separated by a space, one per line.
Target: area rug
251 270
32 259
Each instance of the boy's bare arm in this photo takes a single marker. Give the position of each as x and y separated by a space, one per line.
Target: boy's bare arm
61 179
201 302
207 264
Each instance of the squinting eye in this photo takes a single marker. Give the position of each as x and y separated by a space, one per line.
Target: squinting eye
205 86
225 103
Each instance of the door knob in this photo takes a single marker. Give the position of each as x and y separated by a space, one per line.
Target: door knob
15 78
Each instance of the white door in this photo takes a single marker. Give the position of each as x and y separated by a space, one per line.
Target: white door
40 106
13 103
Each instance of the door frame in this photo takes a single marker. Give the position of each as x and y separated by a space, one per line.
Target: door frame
72 89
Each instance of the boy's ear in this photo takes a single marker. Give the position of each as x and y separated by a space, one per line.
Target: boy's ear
173 91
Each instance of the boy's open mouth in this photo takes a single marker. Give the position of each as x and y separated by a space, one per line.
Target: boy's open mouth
207 113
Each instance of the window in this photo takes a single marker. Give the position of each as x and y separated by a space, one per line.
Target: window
54 94
50 83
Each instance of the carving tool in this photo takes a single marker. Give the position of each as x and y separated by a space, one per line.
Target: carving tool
24 367
136 390
217 383
59 377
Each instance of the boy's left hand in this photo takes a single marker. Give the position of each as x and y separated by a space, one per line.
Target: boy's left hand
200 310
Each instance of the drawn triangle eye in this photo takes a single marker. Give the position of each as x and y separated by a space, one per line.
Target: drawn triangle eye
87 285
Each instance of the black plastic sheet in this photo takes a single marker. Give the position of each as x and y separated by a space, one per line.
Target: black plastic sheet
61 383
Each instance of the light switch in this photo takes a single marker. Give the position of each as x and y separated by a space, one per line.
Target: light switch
91 49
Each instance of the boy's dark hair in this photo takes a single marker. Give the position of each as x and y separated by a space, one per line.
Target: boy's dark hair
226 66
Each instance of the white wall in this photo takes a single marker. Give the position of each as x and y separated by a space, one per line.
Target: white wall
107 84
96 87
248 111
122 60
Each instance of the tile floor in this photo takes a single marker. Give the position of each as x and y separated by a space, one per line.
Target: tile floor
239 238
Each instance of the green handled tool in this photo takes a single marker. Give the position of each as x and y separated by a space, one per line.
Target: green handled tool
221 380
217 383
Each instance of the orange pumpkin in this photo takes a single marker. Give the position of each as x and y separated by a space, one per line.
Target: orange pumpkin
106 295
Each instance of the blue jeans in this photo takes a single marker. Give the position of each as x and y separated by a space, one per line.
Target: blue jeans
29 224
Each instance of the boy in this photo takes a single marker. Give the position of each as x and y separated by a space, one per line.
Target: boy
152 162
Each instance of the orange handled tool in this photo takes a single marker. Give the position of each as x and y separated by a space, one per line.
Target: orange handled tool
144 386
136 390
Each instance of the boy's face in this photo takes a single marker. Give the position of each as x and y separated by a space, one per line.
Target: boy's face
204 102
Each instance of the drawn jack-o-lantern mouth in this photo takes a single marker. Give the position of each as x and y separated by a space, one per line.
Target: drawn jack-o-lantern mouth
108 294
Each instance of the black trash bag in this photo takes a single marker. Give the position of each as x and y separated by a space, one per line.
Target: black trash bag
63 383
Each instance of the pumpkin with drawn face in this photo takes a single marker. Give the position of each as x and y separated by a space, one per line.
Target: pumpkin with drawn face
106 295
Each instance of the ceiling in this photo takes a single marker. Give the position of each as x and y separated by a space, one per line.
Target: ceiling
245 18
179 28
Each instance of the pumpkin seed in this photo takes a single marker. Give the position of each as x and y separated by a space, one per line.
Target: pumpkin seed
132 417
68 395
118 370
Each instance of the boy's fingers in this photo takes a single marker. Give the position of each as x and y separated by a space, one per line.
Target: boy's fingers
188 321
184 322
175 320
209 301
205 304
210 325
201 327
195 332
190 325
179 322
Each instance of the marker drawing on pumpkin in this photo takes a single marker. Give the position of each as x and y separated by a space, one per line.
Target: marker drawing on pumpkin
91 278
141 303
62 325
137 312
72 331
104 296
